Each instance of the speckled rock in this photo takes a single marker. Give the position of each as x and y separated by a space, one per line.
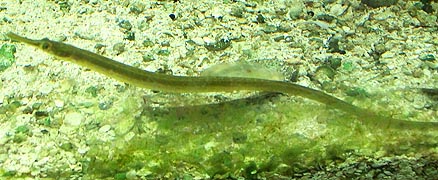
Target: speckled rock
379 3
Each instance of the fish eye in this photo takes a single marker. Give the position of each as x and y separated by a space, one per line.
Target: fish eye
45 45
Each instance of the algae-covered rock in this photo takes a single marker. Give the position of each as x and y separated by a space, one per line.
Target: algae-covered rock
7 56
218 45
379 3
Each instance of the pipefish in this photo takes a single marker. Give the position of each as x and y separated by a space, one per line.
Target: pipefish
188 84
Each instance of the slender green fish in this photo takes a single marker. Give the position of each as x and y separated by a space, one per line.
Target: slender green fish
185 84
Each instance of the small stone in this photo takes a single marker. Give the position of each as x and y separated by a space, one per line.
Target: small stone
337 10
217 13
417 73
44 90
324 73
66 146
41 113
387 173
296 10
83 150
137 8
270 29
105 105
131 175
104 128
237 12
427 57
163 52
129 35
260 18
59 103
22 129
119 48
388 55
172 16
73 119
148 57
148 43
129 136
125 24
379 3
426 19
218 46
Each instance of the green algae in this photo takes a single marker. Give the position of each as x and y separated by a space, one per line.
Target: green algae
7 57
201 141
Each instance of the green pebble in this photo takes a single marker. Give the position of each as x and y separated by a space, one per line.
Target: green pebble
92 90
326 17
119 48
334 63
20 137
325 71
36 105
47 121
163 52
105 105
187 177
7 57
129 36
148 43
40 113
237 12
11 107
99 46
120 176
137 8
9 173
427 57
270 29
22 129
66 146
260 18
218 46
347 66
64 6
283 38
148 57
125 24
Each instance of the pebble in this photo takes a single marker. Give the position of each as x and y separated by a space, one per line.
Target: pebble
131 175
337 10
427 57
296 10
83 150
73 119
129 136
59 103
379 3
119 48
44 90
104 128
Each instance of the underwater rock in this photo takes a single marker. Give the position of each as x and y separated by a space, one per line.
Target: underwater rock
218 45
73 119
379 3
